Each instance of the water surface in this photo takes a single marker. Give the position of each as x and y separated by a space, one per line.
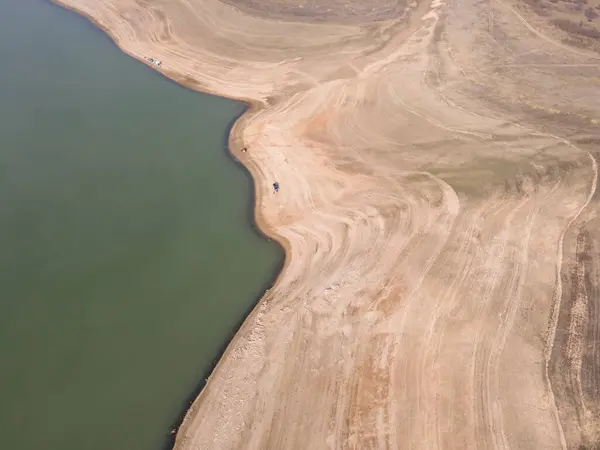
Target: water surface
126 252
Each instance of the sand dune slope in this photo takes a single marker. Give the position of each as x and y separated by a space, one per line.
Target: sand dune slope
437 173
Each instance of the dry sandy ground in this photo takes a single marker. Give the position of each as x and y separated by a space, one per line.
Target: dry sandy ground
438 176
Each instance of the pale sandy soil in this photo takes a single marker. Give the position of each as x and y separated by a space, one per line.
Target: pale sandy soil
437 205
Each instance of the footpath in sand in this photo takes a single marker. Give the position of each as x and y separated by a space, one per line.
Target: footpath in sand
437 174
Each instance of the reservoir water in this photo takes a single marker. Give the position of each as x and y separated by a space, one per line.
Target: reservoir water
127 255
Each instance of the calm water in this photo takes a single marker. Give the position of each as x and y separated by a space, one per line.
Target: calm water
126 251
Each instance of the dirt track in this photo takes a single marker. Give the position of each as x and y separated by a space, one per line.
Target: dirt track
437 176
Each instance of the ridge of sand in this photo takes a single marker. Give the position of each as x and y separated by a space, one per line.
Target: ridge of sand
437 175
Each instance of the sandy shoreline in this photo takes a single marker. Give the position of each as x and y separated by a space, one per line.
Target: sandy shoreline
234 147
422 212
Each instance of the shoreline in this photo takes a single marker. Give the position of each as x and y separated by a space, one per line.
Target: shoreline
416 174
251 108
256 222
191 399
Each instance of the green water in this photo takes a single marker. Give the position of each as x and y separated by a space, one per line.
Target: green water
127 255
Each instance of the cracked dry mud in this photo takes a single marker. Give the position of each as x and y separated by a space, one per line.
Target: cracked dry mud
438 208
